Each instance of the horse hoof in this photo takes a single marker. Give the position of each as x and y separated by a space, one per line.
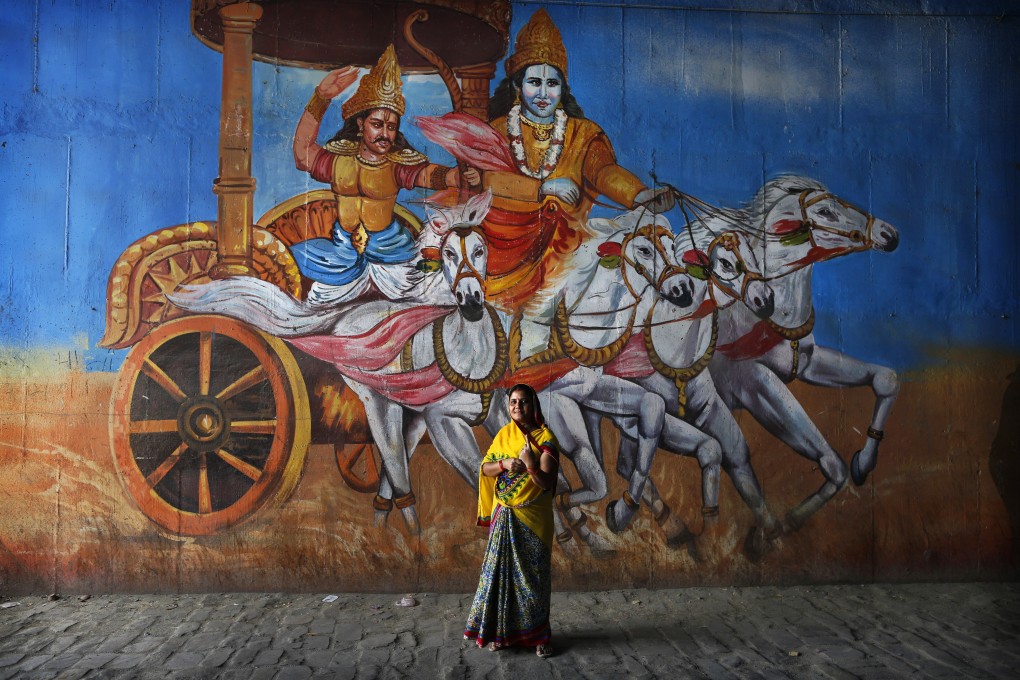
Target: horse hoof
792 523
678 539
855 470
611 517
757 545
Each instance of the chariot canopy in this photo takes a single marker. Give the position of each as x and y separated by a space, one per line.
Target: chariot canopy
326 34
461 40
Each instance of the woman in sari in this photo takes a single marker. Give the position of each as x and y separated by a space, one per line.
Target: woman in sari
515 490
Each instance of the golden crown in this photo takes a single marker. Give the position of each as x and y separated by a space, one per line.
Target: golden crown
379 89
539 42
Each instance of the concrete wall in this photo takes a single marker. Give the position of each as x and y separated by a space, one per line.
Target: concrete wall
109 131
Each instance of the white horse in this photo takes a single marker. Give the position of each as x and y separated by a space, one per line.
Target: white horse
671 360
465 353
415 367
803 224
610 282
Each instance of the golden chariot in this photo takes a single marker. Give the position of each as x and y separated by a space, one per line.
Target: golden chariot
212 418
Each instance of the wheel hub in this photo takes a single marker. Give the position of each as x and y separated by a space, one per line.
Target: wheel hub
203 424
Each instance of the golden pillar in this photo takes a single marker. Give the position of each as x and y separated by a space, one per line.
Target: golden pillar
235 187
474 85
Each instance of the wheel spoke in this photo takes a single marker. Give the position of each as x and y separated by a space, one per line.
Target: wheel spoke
249 379
249 471
254 426
157 475
204 362
204 495
153 426
160 377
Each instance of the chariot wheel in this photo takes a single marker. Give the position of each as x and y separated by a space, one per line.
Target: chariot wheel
358 467
210 423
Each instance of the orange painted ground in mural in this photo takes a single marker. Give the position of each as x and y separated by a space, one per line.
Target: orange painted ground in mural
932 509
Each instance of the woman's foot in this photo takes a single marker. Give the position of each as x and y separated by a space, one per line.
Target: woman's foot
544 651
494 646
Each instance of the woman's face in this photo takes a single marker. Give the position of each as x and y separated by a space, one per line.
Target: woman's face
521 409
541 90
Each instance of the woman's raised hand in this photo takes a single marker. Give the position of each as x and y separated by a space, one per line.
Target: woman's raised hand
526 457
337 81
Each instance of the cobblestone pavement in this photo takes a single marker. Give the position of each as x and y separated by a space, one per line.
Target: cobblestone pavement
873 631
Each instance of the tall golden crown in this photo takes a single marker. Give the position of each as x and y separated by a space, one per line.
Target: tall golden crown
539 42
379 89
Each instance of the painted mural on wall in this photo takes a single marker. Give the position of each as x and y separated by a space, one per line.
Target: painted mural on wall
662 329
433 261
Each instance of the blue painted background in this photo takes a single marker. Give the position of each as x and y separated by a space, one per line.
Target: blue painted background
110 110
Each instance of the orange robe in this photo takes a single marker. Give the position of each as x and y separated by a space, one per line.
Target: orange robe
529 238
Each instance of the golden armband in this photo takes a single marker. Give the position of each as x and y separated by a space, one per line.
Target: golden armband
437 179
317 105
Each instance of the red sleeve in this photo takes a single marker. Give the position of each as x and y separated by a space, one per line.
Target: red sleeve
407 175
322 167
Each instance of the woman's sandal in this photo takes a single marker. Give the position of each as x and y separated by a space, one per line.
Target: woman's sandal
494 646
544 651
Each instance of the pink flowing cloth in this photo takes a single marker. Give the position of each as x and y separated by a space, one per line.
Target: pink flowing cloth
360 357
469 140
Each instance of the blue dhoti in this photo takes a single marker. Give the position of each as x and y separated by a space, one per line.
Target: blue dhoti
335 261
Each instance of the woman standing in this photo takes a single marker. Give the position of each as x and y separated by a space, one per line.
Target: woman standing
515 490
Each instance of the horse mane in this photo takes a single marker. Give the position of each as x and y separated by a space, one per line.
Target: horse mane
582 265
748 218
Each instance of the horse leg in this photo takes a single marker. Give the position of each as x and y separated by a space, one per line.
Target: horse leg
593 426
456 443
676 531
681 437
386 422
717 420
498 414
615 396
567 420
830 368
382 504
766 398
564 535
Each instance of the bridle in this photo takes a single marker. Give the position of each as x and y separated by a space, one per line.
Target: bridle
862 238
465 269
729 241
654 233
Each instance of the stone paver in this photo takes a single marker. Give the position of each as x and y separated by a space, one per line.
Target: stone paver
871 631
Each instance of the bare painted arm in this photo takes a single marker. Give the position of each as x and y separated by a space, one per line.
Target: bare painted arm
307 132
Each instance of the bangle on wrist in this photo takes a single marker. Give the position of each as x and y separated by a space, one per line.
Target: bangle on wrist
501 468
317 105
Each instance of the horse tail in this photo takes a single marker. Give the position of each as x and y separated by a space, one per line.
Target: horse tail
258 303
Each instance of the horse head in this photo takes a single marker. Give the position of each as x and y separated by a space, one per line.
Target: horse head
730 266
812 224
647 262
463 251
